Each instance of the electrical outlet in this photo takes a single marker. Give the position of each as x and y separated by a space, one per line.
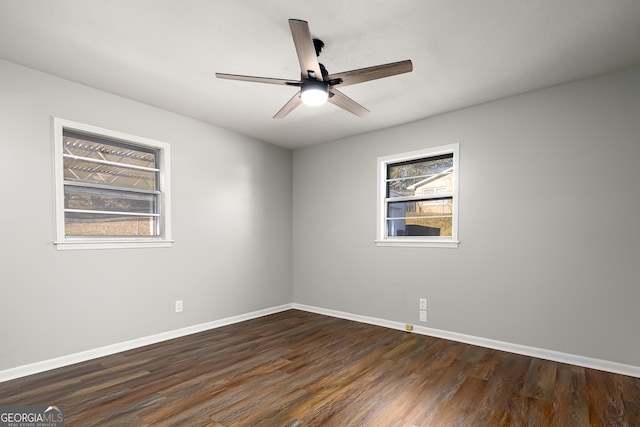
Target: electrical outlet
423 303
423 315
179 306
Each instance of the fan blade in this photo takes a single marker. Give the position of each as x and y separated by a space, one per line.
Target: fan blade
258 79
372 73
289 106
343 101
305 49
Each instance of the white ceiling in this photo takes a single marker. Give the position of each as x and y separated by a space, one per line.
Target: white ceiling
464 52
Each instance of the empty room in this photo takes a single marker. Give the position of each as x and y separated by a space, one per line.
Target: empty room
286 213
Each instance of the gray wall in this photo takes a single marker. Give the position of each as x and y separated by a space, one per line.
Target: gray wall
549 223
232 218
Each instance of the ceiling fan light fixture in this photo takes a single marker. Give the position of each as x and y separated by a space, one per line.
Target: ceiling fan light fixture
314 93
316 85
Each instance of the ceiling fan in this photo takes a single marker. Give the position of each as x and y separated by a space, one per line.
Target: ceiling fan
316 85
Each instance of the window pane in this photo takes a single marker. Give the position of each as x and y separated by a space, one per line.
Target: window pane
402 187
421 167
83 224
96 199
83 171
108 162
432 184
419 227
434 207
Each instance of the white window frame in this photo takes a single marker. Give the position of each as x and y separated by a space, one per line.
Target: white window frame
63 242
382 237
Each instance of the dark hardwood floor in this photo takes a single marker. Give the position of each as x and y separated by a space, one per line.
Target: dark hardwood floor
301 369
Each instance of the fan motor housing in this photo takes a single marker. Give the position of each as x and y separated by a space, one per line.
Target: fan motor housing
314 92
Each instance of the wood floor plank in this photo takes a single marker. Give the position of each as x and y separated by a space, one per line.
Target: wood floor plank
541 379
506 381
606 403
571 398
295 368
437 389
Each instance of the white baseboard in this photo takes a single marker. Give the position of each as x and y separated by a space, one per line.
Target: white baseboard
83 356
587 362
556 356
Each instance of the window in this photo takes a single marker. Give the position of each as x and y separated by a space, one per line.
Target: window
112 189
418 198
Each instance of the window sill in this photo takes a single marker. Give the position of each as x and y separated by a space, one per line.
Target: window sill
71 245
419 243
